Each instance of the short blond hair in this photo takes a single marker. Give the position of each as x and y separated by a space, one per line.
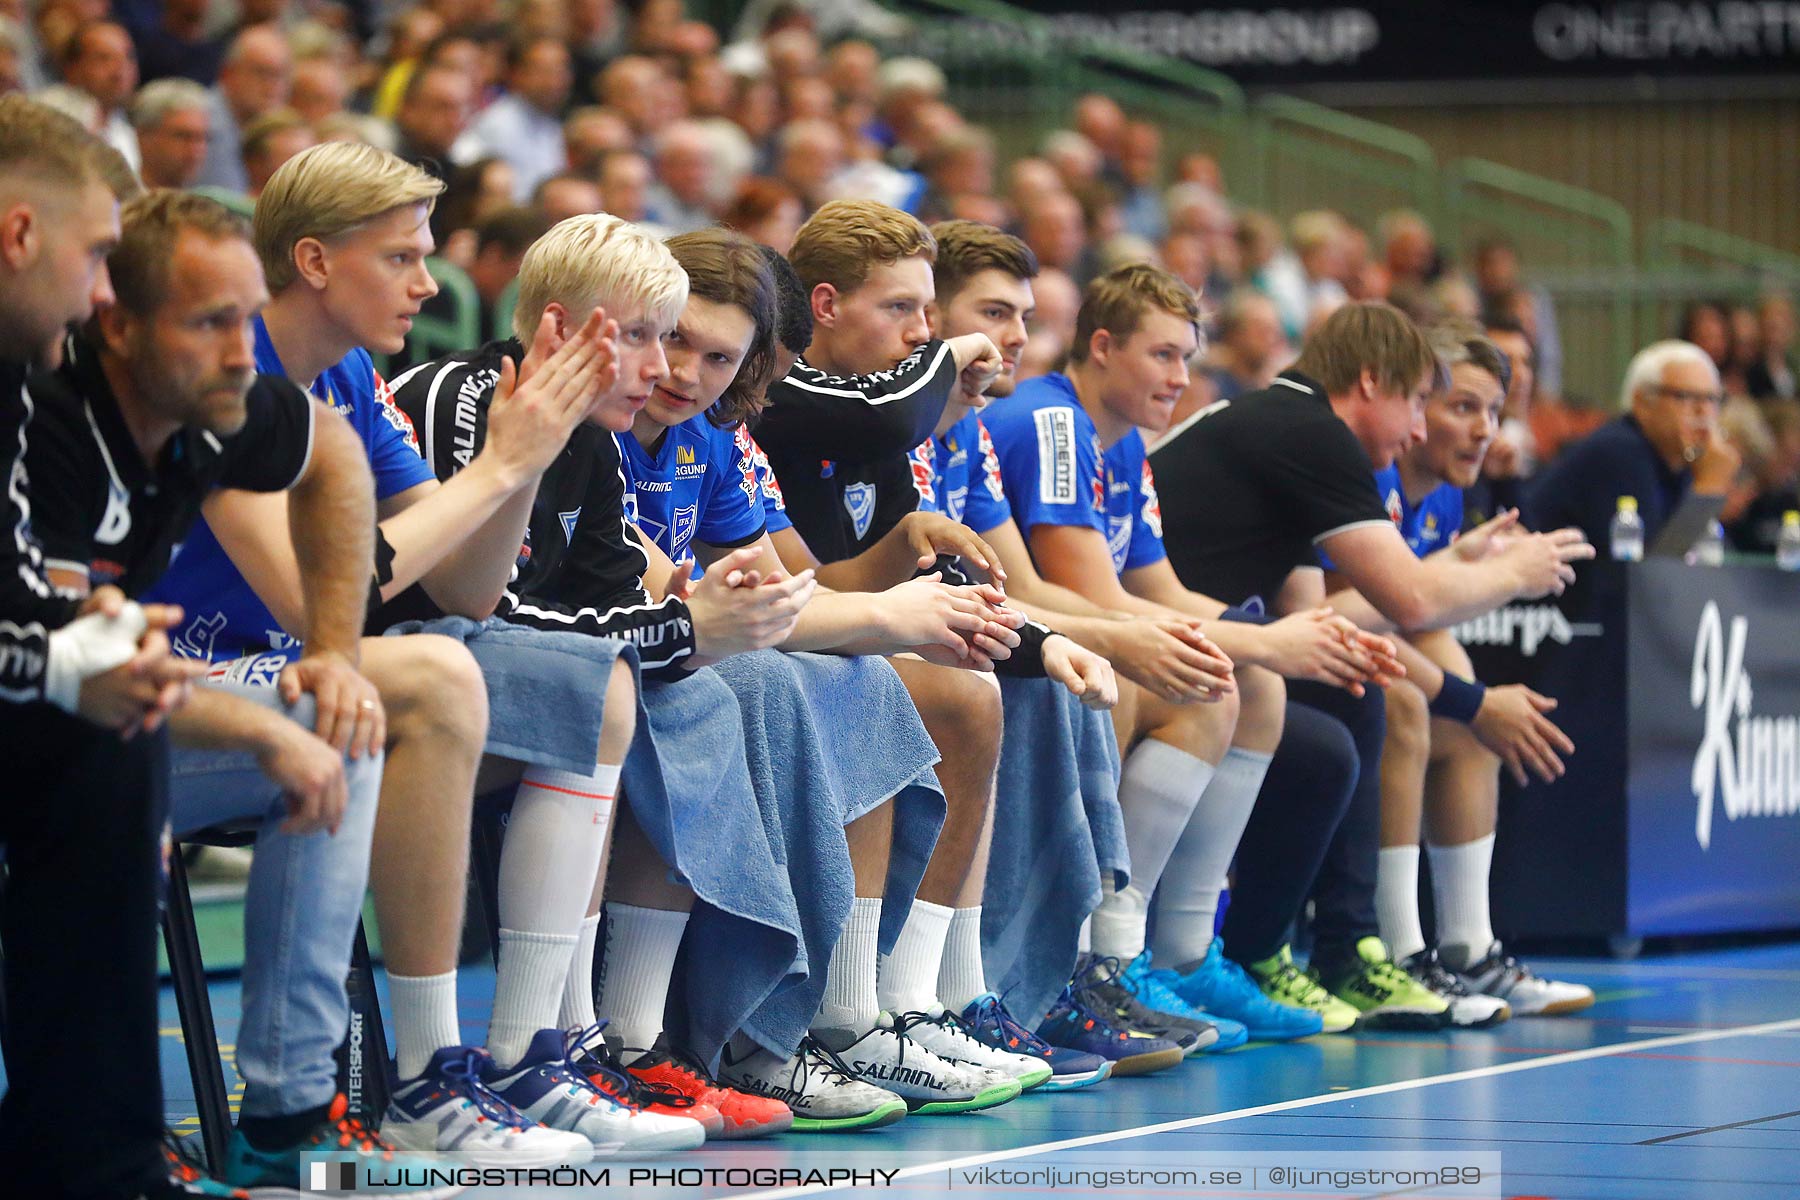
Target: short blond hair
597 259
329 190
1118 301
846 238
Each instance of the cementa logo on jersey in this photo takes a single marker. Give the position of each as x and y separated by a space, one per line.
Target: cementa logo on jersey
1748 765
1531 625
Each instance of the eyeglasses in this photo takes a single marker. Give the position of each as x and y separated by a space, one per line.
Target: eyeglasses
1684 396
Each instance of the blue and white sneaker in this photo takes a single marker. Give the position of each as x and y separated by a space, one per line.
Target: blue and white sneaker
551 1087
271 1173
987 1021
1072 1024
1219 985
1151 987
449 1108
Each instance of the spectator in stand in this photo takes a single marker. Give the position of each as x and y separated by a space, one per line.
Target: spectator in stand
15 54
254 80
1196 209
590 133
1705 325
500 245
1754 523
959 173
1746 348
766 211
1666 450
1250 347
1184 256
433 117
1100 120
320 88
1364 278
1076 159
566 194
852 68
1140 175
630 86
181 45
596 36
269 141
99 73
474 192
413 35
1051 325
1410 248
1203 169
708 87
525 126
1497 275
687 161
625 180
170 116
1772 376
1053 226
810 160
908 86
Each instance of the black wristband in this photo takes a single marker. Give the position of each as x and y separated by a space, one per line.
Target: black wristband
1458 700
384 560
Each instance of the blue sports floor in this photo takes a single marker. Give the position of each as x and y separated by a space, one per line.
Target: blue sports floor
1682 1081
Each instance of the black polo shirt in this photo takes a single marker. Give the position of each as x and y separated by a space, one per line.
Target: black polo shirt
1250 487
98 507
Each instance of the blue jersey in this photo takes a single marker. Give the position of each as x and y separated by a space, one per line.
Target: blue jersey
1055 472
775 514
224 617
959 475
1428 526
699 484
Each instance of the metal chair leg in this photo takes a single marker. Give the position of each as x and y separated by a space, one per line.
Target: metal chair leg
182 940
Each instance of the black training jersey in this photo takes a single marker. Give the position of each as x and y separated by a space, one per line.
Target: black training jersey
838 446
29 606
581 566
1250 486
100 509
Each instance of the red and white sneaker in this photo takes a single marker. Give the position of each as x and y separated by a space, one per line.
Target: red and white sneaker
742 1114
597 1060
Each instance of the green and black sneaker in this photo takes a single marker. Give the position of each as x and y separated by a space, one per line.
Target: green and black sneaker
1285 983
1382 992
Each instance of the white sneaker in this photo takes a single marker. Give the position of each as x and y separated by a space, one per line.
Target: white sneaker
947 1037
816 1084
888 1058
449 1108
547 1087
1500 974
1468 1009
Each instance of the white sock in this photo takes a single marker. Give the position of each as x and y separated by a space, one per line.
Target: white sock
906 980
578 989
1459 884
850 1001
1084 937
634 979
1397 901
1158 791
1187 900
424 1019
547 867
960 977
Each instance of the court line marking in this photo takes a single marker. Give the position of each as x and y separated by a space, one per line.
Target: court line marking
1382 1089
1675 1137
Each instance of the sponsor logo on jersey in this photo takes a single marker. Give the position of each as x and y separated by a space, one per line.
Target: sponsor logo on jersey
684 454
1151 513
686 517
746 464
1056 455
384 401
115 526
631 509
568 520
771 486
1754 770
1395 510
258 670
655 485
859 502
923 461
689 470
1099 481
990 465
1118 539
196 640
955 500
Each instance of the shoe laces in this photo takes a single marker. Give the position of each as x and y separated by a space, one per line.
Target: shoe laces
1158 995
681 1062
1087 1015
991 1013
814 1055
591 1060
1386 973
464 1077
1429 970
351 1133
1291 980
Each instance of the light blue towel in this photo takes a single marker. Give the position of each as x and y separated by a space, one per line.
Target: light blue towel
1056 828
829 738
688 784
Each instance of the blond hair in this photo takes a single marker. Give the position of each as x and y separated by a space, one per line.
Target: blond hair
846 238
597 259
1367 335
329 190
1118 301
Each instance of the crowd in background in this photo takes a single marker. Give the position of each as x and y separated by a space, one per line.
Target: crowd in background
536 110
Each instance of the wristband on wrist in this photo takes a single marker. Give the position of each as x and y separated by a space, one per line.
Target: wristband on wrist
1458 700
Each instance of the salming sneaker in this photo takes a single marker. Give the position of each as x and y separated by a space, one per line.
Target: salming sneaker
946 1036
1285 983
1498 973
817 1087
886 1057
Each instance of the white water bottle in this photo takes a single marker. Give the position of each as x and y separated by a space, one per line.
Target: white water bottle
1709 549
1787 545
1627 532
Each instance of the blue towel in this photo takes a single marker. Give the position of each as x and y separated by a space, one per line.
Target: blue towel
1056 828
830 738
546 689
688 784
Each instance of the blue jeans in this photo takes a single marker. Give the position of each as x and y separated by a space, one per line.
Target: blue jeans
300 913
